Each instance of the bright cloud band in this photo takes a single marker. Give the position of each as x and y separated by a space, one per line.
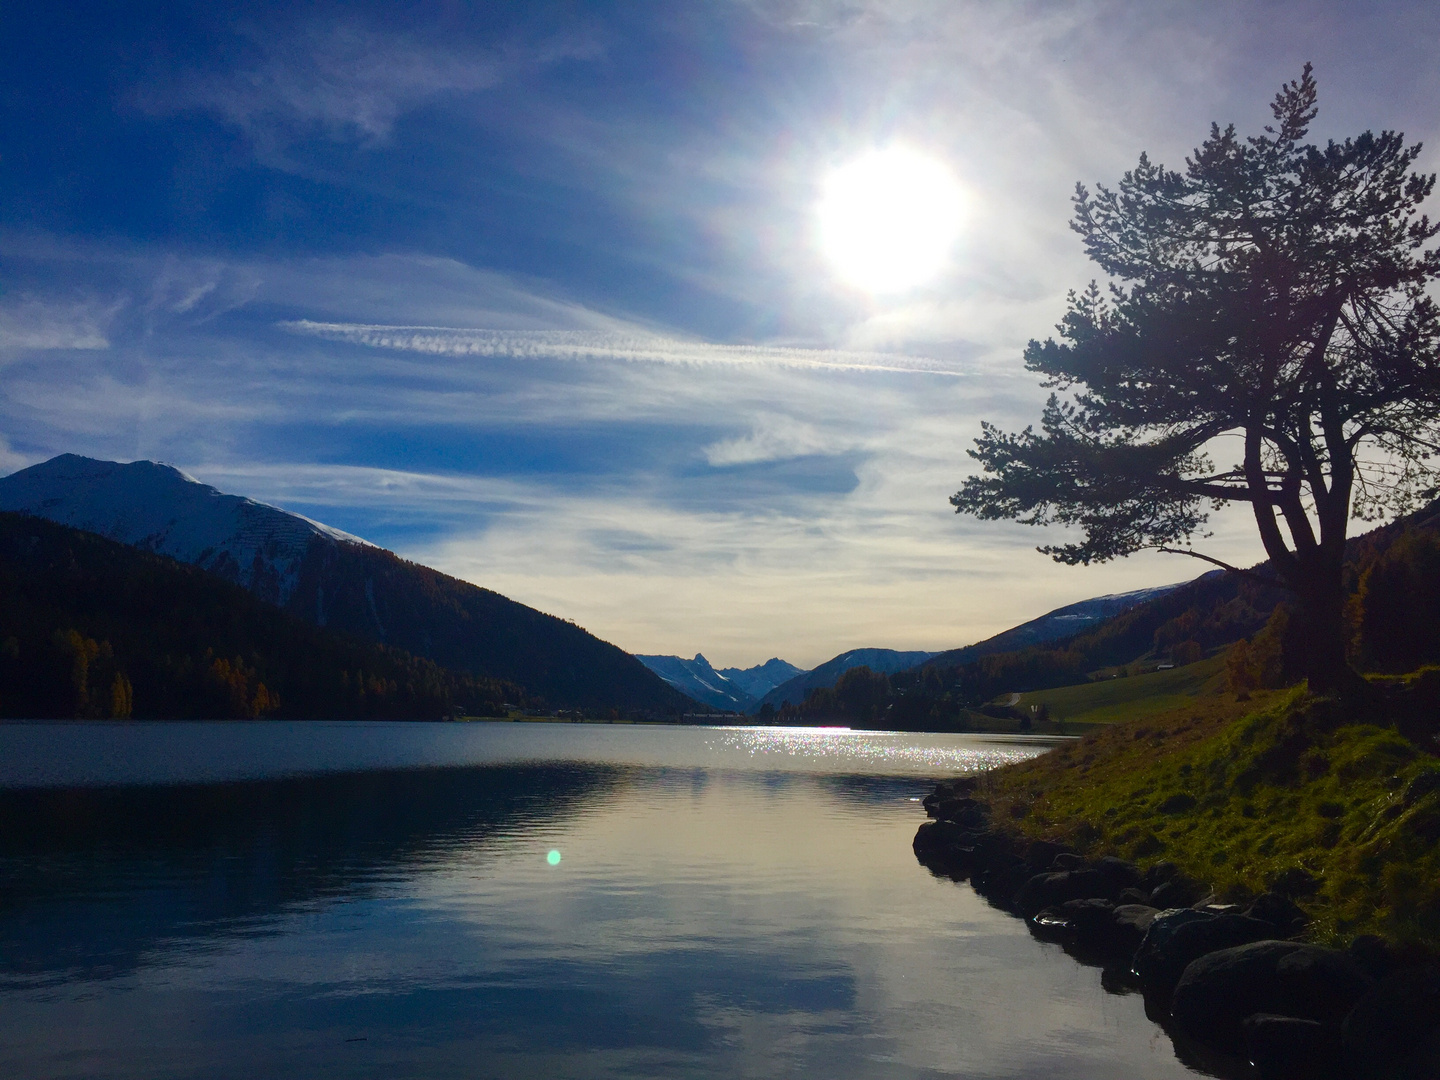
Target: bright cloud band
602 345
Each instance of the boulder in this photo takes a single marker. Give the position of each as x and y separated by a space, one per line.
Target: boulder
1041 853
1288 1048
962 811
1159 873
1066 860
1280 912
1162 927
949 848
1080 920
948 789
1176 892
1052 890
1124 874
1393 1032
1130 925
1285 978
957 785
1163 956
1215 907
934 837
1001 877
1096 925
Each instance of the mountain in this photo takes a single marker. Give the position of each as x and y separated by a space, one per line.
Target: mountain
1392 571
1061 623
699 680
1174 625
335 580
882 661
90 628
759 680
731 689
160 509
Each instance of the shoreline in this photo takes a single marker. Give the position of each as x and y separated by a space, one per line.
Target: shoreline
1232 984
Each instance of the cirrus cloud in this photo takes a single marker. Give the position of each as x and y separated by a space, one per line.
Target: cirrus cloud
601 345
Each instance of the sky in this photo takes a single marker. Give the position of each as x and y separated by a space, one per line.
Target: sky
545 295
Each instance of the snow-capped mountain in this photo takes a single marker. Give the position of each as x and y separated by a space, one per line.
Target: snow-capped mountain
159 508
331 578
759 680
1063 622
698 679
732 689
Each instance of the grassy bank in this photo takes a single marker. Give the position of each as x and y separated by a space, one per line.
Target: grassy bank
1110 701
1285 790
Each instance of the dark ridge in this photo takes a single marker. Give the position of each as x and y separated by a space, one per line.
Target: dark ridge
375 594
92 628
338 582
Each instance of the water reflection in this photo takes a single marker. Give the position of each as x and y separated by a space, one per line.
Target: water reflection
717 912
106 753
94 879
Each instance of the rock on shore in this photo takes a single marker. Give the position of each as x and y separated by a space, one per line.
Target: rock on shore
1234 978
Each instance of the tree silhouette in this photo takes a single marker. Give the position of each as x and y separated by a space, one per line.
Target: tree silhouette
1268 307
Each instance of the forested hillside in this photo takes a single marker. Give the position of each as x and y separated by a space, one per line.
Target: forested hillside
335 580
1392 579
92 628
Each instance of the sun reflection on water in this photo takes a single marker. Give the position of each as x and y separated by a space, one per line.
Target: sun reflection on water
845 750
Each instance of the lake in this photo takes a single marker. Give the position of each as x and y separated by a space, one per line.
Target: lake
516 900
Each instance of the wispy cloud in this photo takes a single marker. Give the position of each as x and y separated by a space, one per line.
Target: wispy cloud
571 335
34 323
775 437
594 345
884 565
345 79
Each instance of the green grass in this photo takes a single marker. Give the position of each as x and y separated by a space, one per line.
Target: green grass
1112 701
1245 794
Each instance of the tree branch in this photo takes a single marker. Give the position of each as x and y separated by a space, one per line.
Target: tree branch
1271 583
1214 491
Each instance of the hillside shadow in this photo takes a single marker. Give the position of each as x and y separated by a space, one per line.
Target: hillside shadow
92 880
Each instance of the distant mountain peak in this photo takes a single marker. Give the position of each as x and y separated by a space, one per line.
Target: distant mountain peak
736 689
698 679
759 680
159 508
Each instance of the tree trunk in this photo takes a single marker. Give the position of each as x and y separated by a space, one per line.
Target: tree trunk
1319 630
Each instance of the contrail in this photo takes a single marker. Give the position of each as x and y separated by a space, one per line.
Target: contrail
601 345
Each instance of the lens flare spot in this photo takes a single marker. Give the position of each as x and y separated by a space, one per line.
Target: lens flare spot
554 857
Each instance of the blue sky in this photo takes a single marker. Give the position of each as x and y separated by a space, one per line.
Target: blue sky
534 292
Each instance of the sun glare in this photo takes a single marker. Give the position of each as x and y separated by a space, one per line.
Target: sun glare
888 220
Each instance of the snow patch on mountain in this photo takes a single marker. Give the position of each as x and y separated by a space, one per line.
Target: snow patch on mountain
698 679
759 680
161 509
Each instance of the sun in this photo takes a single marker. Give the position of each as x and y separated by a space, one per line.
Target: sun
888 220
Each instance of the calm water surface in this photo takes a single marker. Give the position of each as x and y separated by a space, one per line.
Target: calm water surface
381 900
